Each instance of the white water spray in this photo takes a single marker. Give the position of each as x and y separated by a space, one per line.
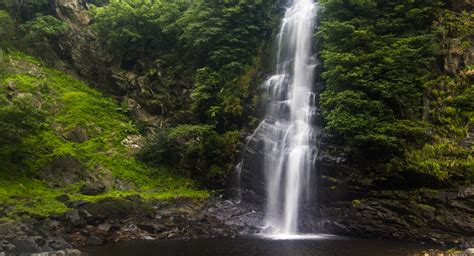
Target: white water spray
288 132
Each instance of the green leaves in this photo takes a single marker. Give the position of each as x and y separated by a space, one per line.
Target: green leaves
376 72
19 117
25 10
196 150
139 28
43 27
386 100
217 33
7 29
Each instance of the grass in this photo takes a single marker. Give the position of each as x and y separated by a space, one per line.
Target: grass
70 104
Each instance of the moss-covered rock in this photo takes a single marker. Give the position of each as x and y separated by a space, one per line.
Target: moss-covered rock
66 136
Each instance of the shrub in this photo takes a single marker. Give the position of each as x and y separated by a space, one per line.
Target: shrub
195 150
43 27
7 29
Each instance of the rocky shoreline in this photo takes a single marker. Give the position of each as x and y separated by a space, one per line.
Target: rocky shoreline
134 218
130 218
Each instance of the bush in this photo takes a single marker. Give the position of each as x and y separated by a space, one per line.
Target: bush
26 9
159 149
7 29
195 150
42 28
18 118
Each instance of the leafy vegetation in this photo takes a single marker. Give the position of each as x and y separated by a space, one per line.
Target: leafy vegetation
386 100
199 59
46 117
42 28
392 102
197 151
7 29
25 9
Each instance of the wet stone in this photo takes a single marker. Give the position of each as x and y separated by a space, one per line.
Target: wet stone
94 241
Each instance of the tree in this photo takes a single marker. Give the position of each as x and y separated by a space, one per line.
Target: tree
7 29
42 28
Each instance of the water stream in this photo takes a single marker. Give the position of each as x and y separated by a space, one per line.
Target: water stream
288 131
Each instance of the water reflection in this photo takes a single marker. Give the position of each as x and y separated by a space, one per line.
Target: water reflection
319 245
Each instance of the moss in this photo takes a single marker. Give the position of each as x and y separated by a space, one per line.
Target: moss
24 196
69 104
356 202
170 194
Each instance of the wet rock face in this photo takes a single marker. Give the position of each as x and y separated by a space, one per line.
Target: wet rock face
352 204
252 177
442 217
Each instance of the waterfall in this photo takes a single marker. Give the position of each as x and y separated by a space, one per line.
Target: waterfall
289 142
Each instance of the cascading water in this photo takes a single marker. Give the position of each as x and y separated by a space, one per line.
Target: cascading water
289 142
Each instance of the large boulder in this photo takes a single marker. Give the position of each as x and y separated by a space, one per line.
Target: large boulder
73 12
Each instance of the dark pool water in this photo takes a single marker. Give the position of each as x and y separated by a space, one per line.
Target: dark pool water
253 245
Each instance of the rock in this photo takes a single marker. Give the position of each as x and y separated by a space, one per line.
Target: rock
57 244
63 170
134 198
25 245
85 214
6 246
67 252
74 218
39 241
73 252
72 11
94 241
122 77
469 251
63 198
146 227
133 142
77 204
92 189
7 228
104 227
77 134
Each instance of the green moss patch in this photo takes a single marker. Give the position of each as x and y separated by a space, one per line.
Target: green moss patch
77 122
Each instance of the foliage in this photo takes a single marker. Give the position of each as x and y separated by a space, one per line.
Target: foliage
385 99
26 9
217 42
7 29
98 2
206 87
138 29
43 27
200 59
197 150
217 33
19 117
